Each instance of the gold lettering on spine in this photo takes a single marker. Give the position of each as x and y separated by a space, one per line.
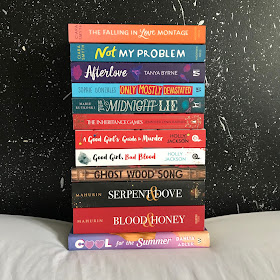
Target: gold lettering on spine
149 220
153 195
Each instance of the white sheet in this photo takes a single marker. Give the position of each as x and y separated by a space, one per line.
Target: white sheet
244 246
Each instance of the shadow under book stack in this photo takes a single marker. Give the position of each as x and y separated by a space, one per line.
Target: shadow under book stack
138 98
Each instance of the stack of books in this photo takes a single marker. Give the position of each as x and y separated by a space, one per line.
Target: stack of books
138 98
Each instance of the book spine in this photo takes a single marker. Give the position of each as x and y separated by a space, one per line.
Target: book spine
128 33
138 105
137 53
138 121
128 194
138 219
108 139
138 173
115 157
139 240
118 72
137 90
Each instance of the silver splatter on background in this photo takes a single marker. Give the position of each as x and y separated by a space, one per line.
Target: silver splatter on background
242 99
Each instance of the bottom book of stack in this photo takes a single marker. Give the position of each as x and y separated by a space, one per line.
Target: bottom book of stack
139 240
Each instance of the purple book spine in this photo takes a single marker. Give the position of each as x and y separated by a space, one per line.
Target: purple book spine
117 72
148 240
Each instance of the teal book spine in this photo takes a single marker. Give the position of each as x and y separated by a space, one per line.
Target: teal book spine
137 53
138 105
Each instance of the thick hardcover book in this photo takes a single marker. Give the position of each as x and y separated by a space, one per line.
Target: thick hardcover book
118 72
138 105
138 219
138 121
137 53
137 173
139 240
115 157
137 90
128 194
132 33
110 139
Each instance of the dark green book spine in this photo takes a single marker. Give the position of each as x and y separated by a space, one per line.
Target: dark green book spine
138 105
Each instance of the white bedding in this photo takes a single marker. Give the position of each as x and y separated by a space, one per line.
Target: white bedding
244 246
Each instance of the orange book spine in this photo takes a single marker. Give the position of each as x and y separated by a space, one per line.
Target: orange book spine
137 34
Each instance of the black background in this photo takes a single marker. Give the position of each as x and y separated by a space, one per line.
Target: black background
242 99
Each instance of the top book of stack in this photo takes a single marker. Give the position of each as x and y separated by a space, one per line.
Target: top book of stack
137 34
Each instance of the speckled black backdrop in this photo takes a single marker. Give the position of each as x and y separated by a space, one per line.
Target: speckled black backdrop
243 105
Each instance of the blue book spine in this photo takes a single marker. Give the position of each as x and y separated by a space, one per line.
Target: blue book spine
138 105
137 53
137 90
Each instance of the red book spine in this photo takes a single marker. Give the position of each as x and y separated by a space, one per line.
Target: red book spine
138 121
108 139
138 219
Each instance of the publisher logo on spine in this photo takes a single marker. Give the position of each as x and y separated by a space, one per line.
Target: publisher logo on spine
195 138
196 72
195 156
